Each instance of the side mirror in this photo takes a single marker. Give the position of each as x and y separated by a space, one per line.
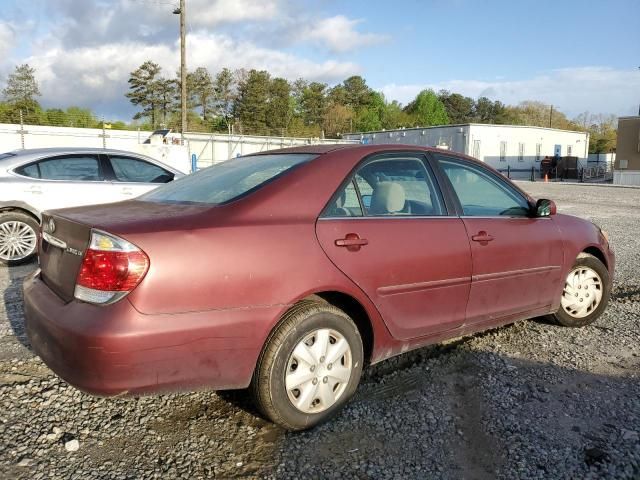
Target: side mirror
545 208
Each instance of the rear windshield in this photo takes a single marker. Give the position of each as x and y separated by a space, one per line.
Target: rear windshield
229 180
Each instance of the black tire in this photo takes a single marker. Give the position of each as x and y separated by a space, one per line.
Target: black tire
16 216
268 384
589 261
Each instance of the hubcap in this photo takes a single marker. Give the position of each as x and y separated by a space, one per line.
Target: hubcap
582 292
318 371
17 240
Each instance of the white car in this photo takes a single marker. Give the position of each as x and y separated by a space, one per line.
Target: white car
32 181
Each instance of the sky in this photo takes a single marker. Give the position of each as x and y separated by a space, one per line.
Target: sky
579 55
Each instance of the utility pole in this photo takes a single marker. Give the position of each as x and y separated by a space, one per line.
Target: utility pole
550 115
183 67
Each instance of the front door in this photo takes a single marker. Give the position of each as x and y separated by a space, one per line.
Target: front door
389 231
516 258
133 176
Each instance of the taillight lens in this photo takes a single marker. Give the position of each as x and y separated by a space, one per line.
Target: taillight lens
111 268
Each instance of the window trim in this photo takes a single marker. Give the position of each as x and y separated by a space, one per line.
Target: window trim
421 156
96 156
489 172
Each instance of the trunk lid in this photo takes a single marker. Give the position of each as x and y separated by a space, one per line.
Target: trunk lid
62 247
66 234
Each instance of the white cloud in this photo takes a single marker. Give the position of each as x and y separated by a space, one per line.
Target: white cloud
572 90
7 39
96 76
218 51
340 35
209 13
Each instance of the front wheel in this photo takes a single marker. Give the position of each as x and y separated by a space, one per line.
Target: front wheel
310 366
18 238
586 292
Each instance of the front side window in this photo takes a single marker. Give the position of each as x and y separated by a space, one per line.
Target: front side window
227 181
69 168
389 187
480 193
128 169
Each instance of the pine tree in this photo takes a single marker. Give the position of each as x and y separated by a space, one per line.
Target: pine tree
201 90
144 90
251 105
22 89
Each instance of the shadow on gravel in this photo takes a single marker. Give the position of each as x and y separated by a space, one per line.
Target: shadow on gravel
13 301
459 413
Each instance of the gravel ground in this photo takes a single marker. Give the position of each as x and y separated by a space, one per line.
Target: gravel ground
532 400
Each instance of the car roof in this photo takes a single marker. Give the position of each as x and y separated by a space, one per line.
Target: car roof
365 149
16 158
317 149
57 150
368 149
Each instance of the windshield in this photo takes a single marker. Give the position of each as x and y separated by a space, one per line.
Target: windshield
229 180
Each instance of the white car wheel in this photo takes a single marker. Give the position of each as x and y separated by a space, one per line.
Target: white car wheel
18 240
582 292
318 371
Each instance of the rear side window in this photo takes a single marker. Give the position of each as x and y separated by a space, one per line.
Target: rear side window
128 169
30 171
69 168
229 180
390 186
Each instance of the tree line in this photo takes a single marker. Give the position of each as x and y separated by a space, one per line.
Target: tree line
254 102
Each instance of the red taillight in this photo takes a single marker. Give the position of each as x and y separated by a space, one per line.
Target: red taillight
111 268
112 271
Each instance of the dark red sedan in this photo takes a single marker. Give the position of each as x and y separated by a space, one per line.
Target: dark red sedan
288 271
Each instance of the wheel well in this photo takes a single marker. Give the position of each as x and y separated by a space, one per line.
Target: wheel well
356 312
596 252
21 210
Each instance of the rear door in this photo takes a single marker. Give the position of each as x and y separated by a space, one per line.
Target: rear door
64 181
389 230
133 176
516 258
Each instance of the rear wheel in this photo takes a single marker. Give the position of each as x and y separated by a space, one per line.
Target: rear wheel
310 366
18 238
586 292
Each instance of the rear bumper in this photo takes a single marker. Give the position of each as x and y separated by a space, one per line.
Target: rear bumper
116 350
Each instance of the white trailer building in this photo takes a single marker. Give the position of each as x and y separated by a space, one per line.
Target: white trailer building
501 146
